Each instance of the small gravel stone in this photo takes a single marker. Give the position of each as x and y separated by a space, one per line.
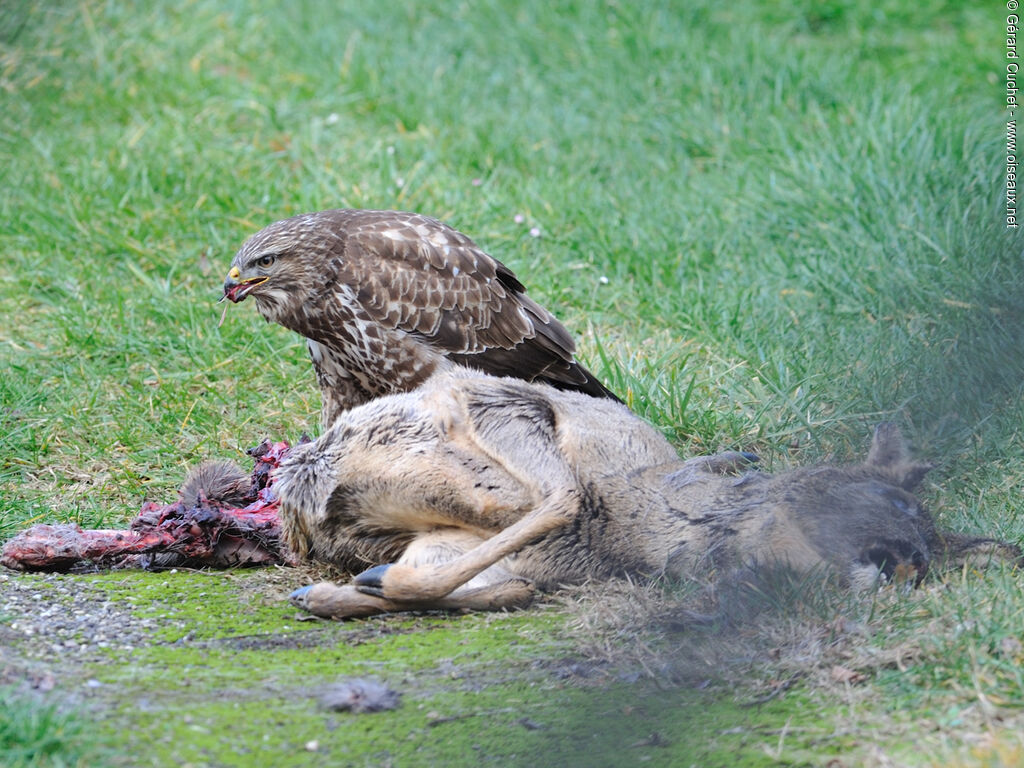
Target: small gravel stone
76 621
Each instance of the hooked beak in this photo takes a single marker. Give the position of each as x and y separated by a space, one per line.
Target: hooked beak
235 289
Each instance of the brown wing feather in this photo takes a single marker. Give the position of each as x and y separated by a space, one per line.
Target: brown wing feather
416 274
419 275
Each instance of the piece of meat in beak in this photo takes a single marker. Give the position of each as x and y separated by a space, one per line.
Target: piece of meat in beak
236 289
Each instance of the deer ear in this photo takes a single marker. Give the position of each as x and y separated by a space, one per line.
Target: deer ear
910 474
888 448
889 452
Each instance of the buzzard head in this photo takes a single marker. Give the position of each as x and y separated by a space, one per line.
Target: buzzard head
283 267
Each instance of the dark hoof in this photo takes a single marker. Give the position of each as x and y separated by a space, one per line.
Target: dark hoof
371 581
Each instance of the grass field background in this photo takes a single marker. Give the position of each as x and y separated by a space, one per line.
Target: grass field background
771 225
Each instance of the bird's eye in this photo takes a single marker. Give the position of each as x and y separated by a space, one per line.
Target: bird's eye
266 260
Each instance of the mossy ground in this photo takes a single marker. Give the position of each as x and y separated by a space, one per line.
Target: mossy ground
228 674
229 678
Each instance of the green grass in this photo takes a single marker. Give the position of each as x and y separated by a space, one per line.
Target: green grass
37 734
770 225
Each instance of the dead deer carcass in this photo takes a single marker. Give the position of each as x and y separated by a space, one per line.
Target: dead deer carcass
472 492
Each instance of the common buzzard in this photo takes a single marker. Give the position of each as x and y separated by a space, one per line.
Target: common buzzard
385 299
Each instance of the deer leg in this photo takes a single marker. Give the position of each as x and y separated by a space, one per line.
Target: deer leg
342 601
491 590
959 549
421 583
338 601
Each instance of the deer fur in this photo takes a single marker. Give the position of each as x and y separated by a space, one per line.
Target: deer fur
472 492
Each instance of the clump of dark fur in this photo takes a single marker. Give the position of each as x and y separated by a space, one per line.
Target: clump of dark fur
359 695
